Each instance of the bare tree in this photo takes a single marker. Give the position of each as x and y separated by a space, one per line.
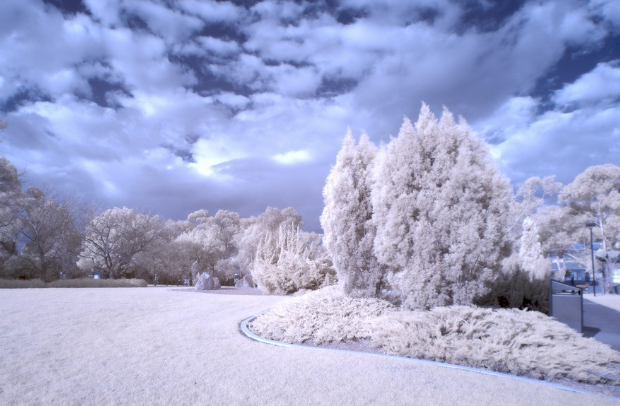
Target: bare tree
47 227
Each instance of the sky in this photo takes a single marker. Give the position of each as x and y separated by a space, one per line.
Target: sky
175 106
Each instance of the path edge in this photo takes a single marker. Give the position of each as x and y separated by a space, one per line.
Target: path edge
245 330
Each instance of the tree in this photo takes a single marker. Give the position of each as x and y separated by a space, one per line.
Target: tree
11 206
531 196
51 239
11 199
257 228
162 261
440 208
229 224
114 237
290 260
531 258
202 246
347 219
595 195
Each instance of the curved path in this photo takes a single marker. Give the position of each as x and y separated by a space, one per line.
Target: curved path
153 346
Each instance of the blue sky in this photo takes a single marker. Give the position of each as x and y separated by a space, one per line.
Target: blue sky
175 106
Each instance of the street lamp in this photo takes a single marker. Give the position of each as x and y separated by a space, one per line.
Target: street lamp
591 225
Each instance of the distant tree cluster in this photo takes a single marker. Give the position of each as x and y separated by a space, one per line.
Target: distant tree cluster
39 229
426 220
122 242
49 235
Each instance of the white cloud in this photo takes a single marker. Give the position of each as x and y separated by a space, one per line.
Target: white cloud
213 151
562 144
609 10
171 25
370 73
212 11
233 100
219 46
290 81
516 114
597 86
293 157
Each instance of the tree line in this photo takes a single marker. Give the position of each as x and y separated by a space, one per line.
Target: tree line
425 220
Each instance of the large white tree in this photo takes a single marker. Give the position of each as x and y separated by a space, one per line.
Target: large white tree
441 212
347 218
113 238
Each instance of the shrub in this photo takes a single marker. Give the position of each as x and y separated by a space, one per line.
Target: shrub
323 316
517 288
290 261
21 284
74 283
98 283
519 342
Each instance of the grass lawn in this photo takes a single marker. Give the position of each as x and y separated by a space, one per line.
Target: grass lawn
155 346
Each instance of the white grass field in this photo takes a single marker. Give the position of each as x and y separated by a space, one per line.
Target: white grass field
153 346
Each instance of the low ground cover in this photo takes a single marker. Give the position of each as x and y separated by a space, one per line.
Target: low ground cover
505 340
73 283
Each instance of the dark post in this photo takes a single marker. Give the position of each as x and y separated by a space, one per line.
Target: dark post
591 225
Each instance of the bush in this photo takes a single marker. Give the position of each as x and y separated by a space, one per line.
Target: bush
74 283
504 340
517 288
98 283
291 261
21 284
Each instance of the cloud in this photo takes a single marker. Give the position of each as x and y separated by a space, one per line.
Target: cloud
162 21
181 105
212 11
514 115
293 157
601 85
562 144
219 46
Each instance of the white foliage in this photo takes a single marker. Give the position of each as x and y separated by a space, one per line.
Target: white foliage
289 261
531 258
113 239
347 218
506 340
257 228
202 245
440 208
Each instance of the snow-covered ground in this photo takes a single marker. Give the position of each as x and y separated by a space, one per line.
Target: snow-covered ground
154 346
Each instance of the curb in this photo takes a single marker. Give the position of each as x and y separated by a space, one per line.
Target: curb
243 326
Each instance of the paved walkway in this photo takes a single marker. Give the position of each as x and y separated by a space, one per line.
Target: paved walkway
151 346
601 319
